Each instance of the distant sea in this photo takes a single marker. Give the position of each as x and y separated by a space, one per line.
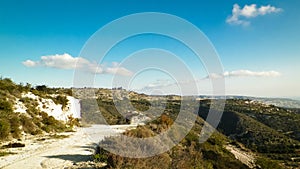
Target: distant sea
295 98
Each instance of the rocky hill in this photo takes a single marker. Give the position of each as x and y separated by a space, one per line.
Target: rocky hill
27 110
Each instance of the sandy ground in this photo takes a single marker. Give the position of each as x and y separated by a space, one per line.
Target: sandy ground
60 153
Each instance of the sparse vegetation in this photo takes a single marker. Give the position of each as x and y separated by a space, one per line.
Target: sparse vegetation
243 121
13 145
188 154
58 136
266 163
4 128
34 121
4 153
60 99
273 148
96 111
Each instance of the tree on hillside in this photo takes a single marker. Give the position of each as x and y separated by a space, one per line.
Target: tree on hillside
42 88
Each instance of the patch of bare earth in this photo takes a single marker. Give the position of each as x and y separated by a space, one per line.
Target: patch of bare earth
244 156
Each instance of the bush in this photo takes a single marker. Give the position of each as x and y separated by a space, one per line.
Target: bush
28 125
7 84
267 163
73 121
14 126
192 137
140 132
41 88
61 100
4 129
5 105
49 120
100 158
100 155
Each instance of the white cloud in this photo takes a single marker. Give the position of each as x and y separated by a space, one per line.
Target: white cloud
116 69
245 73
268 9
240 15
159 83
29 63
66 61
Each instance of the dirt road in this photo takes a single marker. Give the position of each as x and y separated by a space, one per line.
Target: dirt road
61 153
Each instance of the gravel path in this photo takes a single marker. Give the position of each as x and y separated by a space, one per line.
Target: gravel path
61 153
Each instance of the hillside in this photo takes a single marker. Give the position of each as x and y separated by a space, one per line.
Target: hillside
266 129
268 132
27 110
189 153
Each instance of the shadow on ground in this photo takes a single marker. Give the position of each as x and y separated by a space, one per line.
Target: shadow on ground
76 158
90 147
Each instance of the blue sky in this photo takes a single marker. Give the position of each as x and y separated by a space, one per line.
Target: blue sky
259 50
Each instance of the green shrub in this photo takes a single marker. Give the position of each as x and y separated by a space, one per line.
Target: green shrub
8 85
28 125
192 137
14 126
73 121
4 128
49 120
100 157
267 163
42 88
61 100
5 105
46 128
4 153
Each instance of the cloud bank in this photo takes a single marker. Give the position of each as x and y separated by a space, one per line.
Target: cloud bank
66 61
245 73
157 84
240 15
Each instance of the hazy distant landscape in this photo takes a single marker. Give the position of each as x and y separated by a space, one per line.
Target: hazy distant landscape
280 102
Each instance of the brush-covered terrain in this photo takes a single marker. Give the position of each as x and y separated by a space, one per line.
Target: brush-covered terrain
31 111
265 129
250 134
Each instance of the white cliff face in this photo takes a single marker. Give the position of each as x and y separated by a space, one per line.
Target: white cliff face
74 106
48 106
